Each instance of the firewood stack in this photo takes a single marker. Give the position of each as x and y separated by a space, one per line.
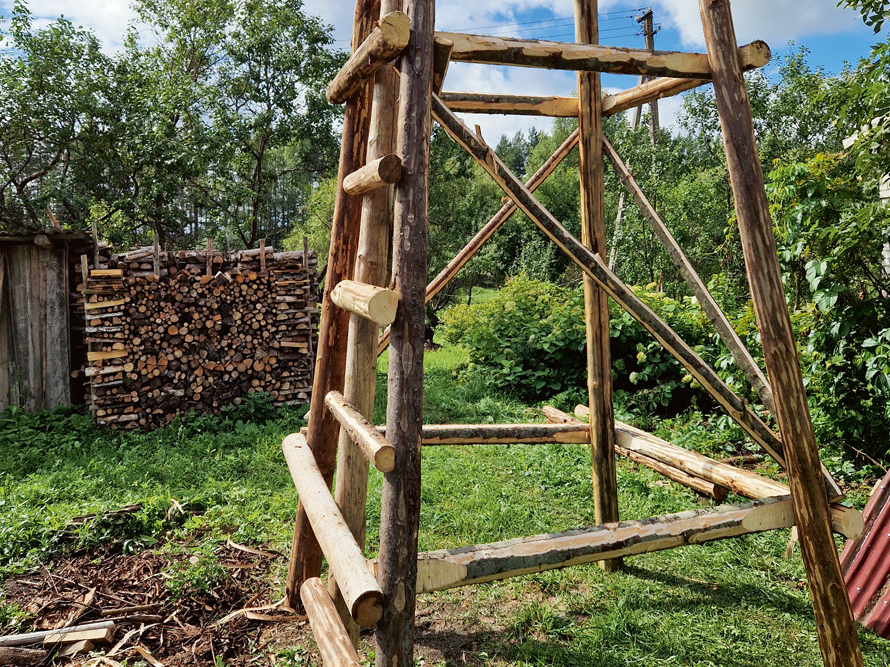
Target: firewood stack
197 330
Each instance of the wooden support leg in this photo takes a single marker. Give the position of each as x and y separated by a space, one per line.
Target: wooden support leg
370 268
834 619
400 511
330 363
596 307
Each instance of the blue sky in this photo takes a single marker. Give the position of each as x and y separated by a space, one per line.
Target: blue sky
833 36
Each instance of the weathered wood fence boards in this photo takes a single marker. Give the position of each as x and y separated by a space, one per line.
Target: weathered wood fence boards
34 342
204 331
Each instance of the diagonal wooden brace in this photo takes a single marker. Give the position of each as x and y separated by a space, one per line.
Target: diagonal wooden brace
595 267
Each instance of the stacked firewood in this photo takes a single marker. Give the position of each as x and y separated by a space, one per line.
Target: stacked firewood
197 330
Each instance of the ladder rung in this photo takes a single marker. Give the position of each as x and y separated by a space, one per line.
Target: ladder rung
384 43
376 448
376 174
332 638
359 588
377 304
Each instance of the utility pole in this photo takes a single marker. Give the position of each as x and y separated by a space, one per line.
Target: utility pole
649 30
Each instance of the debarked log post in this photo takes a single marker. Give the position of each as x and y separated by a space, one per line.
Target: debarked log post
358 586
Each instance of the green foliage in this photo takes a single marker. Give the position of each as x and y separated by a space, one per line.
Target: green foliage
528 340
830 236
195 574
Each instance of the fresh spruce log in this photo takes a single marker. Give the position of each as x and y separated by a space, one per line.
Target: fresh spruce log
594 266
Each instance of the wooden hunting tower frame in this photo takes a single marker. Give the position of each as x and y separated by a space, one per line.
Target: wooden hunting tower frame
382 195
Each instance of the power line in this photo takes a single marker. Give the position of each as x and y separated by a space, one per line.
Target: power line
624 13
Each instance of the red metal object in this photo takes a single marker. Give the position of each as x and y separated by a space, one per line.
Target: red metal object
866 564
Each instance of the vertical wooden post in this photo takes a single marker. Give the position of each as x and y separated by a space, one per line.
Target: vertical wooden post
156 255
834 619
94 228
209 257
330 360
400 511
361 355
596 310
308 300
263 255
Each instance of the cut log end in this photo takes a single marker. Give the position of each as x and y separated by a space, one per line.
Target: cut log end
368 609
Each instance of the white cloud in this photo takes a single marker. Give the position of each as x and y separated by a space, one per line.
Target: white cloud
775 21
107 18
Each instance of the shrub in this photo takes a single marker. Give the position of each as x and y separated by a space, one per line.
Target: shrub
529 340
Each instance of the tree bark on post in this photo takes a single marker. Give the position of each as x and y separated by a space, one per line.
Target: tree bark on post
330 362
596 307
400 502
834 619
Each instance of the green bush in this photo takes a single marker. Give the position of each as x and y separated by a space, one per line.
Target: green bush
529 340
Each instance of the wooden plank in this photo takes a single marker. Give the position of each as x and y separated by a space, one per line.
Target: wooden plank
377 173
440 570
596 306
372 444
400 501
6 368
357 585
730 338
101 355
330 360
384 43
97 305
475 244
94 635
594 266
333 641
517 105
588 57
32 637
834 618
106 273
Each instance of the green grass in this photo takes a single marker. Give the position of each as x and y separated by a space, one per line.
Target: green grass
736 603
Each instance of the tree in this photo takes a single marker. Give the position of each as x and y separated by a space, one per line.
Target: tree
268 93
50 92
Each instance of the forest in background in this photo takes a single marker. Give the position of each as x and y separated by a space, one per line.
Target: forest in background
211 122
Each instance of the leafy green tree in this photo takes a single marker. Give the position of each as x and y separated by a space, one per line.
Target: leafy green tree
49 93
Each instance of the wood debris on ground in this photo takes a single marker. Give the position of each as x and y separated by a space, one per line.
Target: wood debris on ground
124 609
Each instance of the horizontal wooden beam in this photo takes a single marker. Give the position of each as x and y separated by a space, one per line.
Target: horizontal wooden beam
384 43
518 105
701 486
377 304
382 171
360 590
590 57
594 266
376 448
333 641
440 570
502 434
646 92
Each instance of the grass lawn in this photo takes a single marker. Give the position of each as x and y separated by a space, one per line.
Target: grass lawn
736 603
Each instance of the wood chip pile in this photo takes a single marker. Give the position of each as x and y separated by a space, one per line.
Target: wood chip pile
196 330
